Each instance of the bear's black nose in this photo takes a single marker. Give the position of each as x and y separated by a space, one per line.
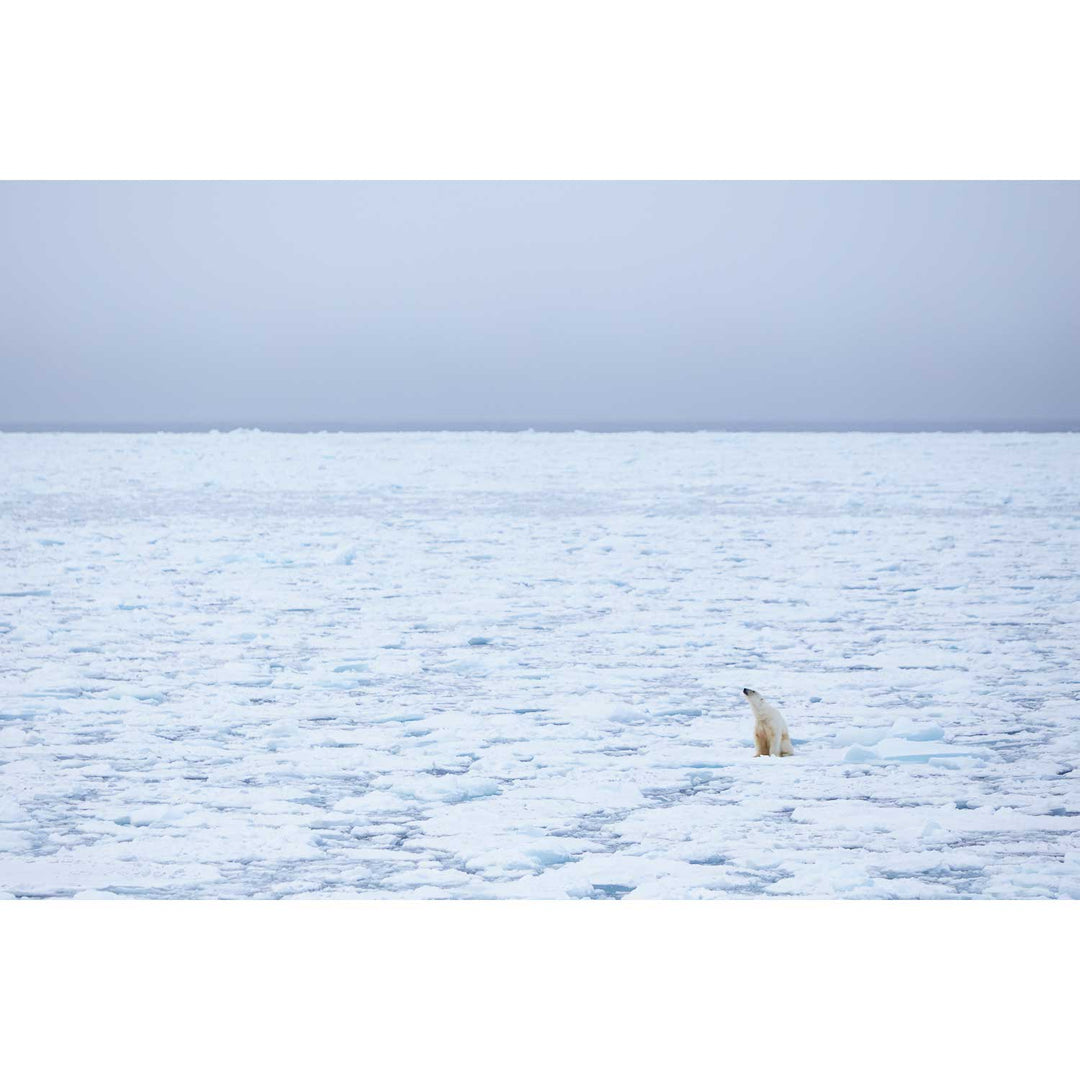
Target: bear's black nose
745 691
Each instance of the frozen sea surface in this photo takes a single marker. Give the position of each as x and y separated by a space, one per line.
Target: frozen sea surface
508 665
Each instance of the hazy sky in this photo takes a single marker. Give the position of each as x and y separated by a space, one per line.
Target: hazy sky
618 302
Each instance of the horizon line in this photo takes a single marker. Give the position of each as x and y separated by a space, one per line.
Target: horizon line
900 427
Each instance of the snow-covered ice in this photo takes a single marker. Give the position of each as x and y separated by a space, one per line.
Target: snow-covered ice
509 665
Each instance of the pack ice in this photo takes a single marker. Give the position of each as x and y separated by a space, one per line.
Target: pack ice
509 665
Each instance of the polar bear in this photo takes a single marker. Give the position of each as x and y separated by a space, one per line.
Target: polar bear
770 729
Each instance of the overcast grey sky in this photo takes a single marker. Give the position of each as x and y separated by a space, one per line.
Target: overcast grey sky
380 303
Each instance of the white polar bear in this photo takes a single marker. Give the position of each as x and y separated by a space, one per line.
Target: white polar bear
770 729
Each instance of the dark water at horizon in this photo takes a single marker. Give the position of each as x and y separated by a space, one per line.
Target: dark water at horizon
304 427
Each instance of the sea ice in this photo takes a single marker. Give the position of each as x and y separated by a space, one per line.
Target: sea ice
490 665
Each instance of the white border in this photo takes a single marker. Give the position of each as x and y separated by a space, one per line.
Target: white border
659 989
566 89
